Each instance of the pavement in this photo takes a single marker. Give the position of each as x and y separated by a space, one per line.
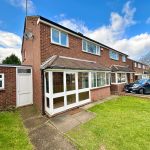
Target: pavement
43 135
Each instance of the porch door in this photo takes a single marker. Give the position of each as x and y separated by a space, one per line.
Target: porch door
71 89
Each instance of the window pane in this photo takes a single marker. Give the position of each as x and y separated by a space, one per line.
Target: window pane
58 102
113 78
114 55
107 78
100 79
70 81
47 102
58 85
55 36
47 81
63 39
84 45
24 70
83 96
93 79
119 77
0 83
71 99
91 48
83 80
0 76
98 50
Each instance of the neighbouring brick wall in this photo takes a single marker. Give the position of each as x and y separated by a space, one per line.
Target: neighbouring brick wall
117 88
100 93
8 95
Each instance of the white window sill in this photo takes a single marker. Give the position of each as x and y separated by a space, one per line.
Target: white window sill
67 46
91 53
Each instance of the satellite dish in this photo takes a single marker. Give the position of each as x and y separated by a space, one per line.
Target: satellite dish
28 35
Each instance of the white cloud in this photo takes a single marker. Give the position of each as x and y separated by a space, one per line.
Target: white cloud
114 33
77 26
9 43
22 4
148 20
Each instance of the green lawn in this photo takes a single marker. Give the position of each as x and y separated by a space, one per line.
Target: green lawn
13 135
120 124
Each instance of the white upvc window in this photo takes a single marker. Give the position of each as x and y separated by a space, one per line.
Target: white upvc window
135 64
113 55
139 65
90 47
59 37
144 67
100 79
1 81
118 78
123 58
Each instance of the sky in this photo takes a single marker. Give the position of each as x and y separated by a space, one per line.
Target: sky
121 24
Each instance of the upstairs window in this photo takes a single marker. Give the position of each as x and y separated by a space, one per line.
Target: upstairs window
90 47
113 55
59 37
123 58
144 67
135 64
139 66
1 81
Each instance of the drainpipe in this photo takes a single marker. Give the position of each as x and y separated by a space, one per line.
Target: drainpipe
43 97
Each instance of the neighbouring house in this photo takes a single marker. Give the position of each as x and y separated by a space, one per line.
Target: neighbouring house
141 70
15 86
67 68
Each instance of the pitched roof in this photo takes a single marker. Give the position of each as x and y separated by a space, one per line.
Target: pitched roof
117 68
61 62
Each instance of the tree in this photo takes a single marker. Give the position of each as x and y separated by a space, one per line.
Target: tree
12 59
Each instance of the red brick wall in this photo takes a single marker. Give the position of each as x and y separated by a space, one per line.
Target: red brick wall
49 49
117 88
31 56
8 95
100 93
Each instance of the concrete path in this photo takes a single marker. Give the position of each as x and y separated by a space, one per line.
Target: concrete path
43 135
66 121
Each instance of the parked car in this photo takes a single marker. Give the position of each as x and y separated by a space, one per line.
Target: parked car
141 86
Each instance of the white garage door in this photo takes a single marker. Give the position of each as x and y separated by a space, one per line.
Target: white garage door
24 87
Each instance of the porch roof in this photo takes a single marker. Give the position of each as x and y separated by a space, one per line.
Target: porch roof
117 68
61 62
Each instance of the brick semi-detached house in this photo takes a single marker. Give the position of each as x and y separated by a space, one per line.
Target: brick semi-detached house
69 69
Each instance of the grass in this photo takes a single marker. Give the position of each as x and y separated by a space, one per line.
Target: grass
13 135
120 124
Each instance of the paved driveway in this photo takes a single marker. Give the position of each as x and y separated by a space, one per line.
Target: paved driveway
138 95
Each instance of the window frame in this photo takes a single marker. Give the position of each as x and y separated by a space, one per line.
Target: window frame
111 57
98 48
124 58
3 81
92 79
59 32
116 78
139 65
